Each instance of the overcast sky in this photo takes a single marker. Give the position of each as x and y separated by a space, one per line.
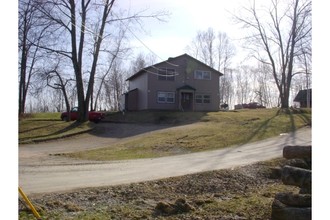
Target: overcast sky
169 39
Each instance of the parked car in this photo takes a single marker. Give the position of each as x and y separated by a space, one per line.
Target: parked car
255 105
92 115
251 105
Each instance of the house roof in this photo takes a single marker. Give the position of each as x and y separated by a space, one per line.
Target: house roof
302 95
186 87
169 61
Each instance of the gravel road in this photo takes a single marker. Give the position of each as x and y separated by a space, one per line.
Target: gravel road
40 172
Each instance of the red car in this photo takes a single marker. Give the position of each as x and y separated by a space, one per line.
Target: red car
92 115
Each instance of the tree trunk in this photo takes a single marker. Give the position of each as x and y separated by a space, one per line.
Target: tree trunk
106 11
23 64
77 59
98 92
67 103
21 98
284 102
92 100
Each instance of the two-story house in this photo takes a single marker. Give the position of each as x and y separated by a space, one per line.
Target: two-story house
180 83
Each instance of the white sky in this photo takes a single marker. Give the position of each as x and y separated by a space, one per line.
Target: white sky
169 39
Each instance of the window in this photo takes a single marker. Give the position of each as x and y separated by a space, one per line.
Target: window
199 74
166 74
202 98
207 99
199 99
165 97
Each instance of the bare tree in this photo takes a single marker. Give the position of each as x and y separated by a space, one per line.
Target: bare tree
225 52
117 52
57 81
203 47
114 85
215 50
87 24
306 66
276 36
116 81
141 61
30 37
262 86
226 86
243 84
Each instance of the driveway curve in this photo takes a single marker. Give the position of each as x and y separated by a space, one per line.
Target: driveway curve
40 172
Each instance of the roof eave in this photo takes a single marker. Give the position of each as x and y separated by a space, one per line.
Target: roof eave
168 61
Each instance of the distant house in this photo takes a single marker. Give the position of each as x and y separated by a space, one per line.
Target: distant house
180 83
304 98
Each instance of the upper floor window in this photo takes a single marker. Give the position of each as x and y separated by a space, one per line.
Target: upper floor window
200 74
166 74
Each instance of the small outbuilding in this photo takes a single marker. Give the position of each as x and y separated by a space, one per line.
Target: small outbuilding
304 98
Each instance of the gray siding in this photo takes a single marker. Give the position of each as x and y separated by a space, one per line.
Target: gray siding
141 83
149 85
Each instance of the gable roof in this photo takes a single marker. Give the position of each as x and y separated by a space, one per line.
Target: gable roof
302 95
169 60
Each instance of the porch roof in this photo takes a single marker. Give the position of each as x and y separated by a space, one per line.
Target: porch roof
186 87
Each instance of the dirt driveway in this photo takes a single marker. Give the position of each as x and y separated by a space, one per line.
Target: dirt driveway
40 171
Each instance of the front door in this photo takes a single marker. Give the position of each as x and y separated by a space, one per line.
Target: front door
186 101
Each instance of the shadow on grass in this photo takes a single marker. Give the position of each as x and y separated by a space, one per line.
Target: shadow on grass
118 125
36 128
262 129
166 117
72 126
293 125
56 134
306 119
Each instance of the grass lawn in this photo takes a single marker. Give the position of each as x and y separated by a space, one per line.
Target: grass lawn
47 126
246 191
203 131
